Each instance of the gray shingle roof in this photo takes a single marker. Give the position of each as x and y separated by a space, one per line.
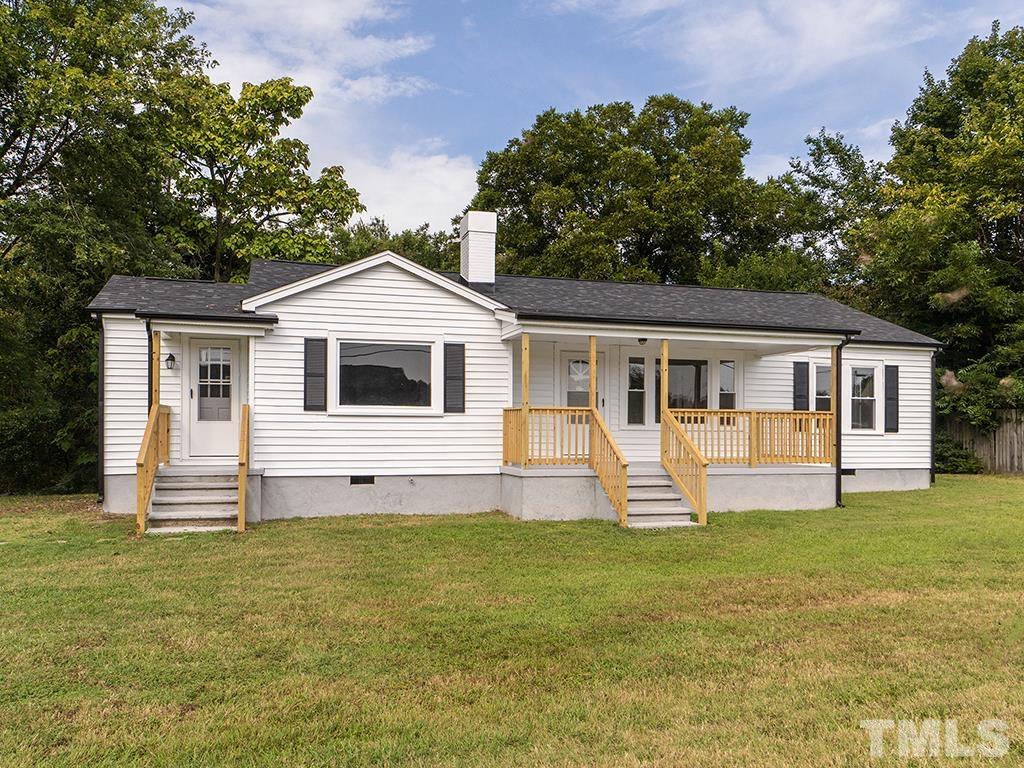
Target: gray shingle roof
653 303
535 298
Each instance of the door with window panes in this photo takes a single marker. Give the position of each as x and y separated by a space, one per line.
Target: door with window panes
576 380
213 397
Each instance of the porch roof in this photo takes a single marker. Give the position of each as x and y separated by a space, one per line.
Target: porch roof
597 301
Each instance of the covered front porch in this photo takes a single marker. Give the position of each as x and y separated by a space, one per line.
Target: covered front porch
690 402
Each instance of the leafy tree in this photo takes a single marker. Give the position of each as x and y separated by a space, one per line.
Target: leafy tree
934 239
83 108
244 189
434 250
610 192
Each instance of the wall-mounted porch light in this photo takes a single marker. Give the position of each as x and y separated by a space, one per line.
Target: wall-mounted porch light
169 362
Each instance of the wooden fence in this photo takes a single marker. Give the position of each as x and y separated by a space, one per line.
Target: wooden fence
1001 451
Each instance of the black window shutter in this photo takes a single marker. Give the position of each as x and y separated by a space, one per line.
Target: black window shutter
801 386
454 378
892 398
315 375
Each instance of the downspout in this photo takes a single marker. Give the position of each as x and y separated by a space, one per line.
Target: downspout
931 443
149 367
101 365
838 395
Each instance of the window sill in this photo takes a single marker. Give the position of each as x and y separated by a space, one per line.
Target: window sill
384 410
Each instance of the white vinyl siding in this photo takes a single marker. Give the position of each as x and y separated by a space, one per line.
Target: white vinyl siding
170 387
388 302
125 392
768 384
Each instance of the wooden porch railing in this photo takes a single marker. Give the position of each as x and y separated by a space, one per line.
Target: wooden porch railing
154 451
686 464
609 465
760 437
243 464
567 437
558 436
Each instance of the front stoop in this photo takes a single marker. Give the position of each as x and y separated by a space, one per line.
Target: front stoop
654 501
189 500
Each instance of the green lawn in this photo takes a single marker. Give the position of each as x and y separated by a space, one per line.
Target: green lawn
762 639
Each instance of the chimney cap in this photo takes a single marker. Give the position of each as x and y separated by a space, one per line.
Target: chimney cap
478 221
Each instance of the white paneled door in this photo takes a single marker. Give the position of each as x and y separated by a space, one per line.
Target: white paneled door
213 397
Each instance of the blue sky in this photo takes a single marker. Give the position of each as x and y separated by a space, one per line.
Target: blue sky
411 95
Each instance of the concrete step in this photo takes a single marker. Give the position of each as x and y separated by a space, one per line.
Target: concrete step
173 529
203 500
662 524
198 484
647 470
649 481
220 471
653 494
211 512
176 511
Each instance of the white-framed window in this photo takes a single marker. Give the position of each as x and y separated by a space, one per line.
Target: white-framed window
636 390
393 376
865 385
727 384
821 387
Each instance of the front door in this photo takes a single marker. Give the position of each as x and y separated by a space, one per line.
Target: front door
576 380
213 397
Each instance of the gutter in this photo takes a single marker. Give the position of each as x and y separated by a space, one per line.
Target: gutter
251 319
100 418
683 324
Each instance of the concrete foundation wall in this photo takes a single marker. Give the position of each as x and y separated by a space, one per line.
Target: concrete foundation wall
284 497
553 494
743 488
887 480
119 494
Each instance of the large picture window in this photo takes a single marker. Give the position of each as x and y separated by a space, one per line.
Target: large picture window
862 398
687 384
372 374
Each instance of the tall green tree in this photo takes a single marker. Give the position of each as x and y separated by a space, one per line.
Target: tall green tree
654 194
935 239
243 188
84 93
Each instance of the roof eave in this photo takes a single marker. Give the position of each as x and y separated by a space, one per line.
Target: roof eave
252 318
683 324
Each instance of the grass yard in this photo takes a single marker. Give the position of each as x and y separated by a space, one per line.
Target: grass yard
761 640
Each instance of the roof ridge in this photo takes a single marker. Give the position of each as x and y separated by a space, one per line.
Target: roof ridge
662 285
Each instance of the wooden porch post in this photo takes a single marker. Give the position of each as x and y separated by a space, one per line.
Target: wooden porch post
663 396
524 372
834 395
593 372
154 363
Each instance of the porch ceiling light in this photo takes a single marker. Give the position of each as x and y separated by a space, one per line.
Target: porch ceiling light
169 362
641 342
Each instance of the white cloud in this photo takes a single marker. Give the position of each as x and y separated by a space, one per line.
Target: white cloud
773 44
344 50
413 185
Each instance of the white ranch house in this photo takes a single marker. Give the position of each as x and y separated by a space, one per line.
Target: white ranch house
383 387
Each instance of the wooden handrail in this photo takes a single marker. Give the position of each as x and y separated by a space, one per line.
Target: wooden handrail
154 451
685 463
561 436
243 464
609 465
760 437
